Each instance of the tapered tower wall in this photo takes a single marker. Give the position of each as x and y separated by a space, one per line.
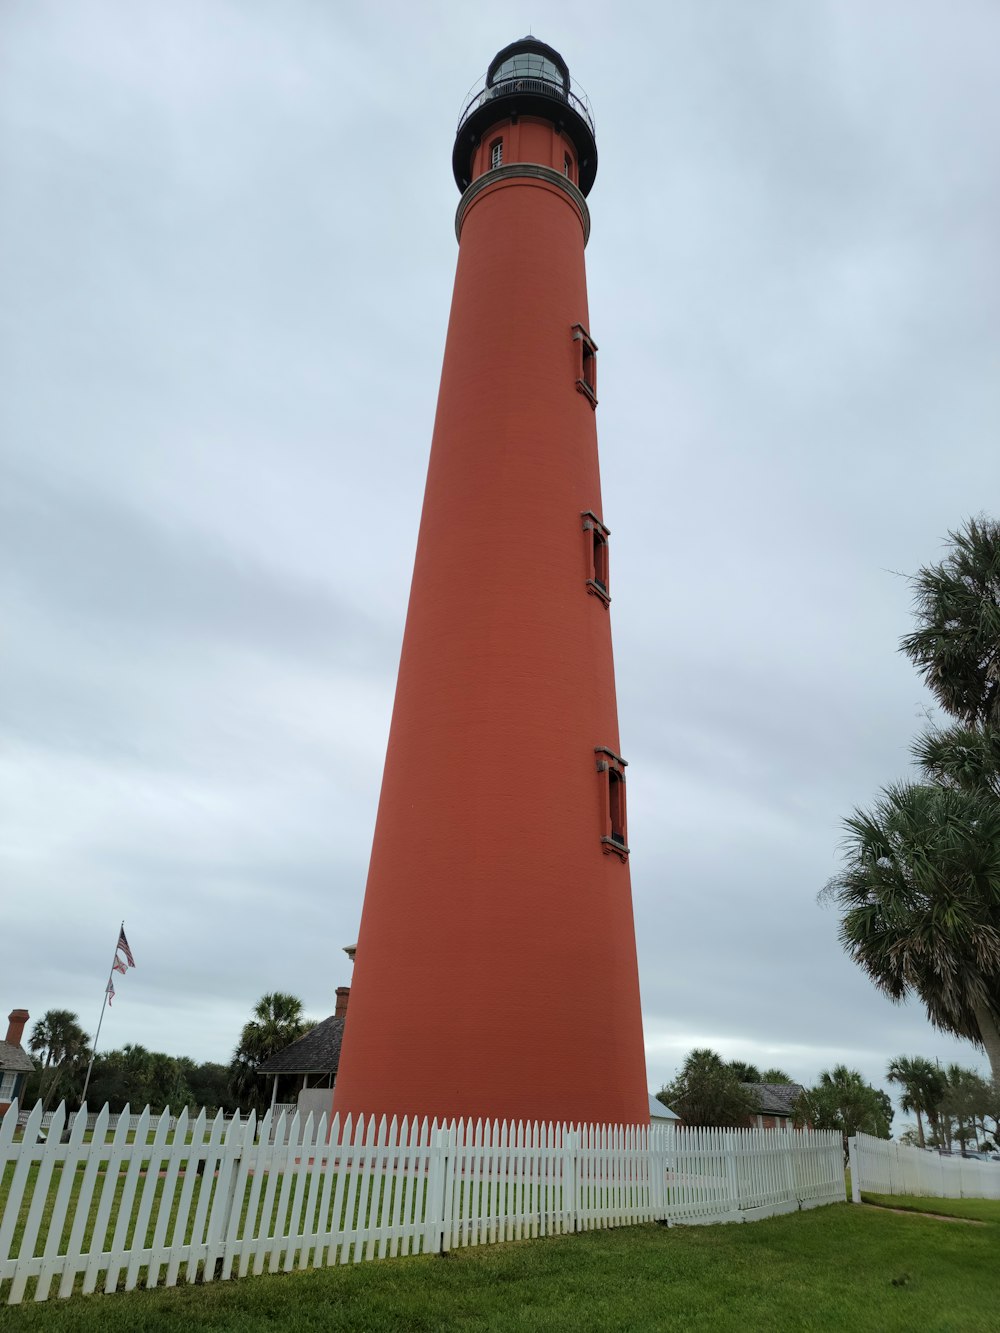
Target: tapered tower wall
496 972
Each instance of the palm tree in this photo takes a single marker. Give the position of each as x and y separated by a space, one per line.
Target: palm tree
843 1100
963 757
746 1073
59 1038
775 1076
920 890
954 1105
969 1098
957 645
707 1092
278 1019
923 1086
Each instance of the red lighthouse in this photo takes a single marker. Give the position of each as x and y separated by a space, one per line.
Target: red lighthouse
496 969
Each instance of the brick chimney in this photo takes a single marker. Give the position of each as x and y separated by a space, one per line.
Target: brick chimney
343 995
16 1020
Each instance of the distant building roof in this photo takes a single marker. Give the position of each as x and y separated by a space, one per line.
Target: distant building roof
657 1111
774 1098
318 1052
15 1059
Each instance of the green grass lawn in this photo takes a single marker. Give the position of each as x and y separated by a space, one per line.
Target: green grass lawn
836 1268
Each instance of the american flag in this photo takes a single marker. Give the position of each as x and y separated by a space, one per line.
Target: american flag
111 990
123 945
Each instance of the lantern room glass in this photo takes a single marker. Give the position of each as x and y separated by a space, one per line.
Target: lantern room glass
528 65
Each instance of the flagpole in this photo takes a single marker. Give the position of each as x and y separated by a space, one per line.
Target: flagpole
93 1049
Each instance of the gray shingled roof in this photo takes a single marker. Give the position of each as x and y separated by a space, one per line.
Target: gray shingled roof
15 1058
318 1052
774 1098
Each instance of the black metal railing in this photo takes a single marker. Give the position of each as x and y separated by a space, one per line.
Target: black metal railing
482 93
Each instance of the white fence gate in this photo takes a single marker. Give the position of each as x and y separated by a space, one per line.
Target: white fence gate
222 1199
882 1167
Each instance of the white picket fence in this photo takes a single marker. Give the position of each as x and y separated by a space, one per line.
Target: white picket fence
279 1124
113 1121
880 1166
220 1199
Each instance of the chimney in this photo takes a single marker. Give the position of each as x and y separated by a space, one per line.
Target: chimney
343 994
16 1020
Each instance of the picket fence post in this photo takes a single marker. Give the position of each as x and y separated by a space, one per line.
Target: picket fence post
448 1172
570 1166
852 1158
732 1175
657 1167
791 1175
223 1196
434 1213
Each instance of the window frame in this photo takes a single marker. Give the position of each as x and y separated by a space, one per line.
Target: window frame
586 364
496 153
598 557
614 840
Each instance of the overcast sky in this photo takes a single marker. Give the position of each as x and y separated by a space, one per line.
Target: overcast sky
226 259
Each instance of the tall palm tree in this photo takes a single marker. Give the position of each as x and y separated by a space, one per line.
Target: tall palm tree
59 1038
843 1100
277 1020
920 891
923 1085
956 647
969 1098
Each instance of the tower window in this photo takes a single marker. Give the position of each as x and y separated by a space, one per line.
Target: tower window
597 536
496 153
586 364
567 166
611 771
616 792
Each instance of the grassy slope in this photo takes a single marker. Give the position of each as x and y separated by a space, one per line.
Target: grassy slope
830 1268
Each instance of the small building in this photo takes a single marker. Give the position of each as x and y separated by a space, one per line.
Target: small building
306 1070
774 1104
15 1062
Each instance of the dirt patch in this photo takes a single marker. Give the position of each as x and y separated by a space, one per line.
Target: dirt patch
938 1217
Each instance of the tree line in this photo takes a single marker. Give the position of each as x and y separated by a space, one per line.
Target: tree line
711 1091
954 1106
137 1077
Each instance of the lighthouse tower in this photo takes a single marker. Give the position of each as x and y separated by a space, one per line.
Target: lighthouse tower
496 969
